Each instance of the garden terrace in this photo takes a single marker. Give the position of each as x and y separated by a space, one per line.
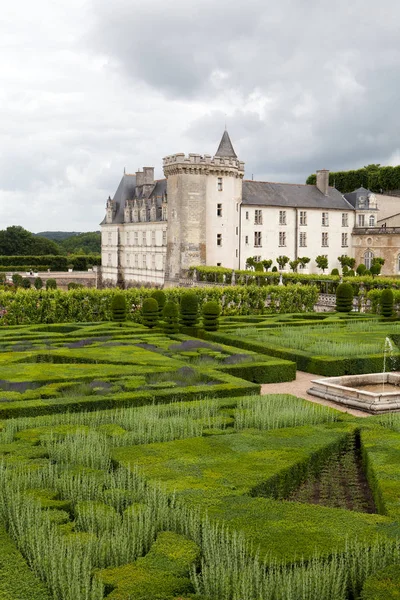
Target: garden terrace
327 345
119 500
57 368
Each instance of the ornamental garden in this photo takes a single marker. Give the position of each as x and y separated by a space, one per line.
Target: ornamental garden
140 460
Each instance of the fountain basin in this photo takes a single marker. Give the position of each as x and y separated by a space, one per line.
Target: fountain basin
375 393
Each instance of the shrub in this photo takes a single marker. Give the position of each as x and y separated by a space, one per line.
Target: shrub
351 273
361 269
38 283
171 318
118 308
259 267
211 312
274 269
26 283
74 286
161 298
383 585
335 272
387 301
150 312
17 279
344 297
189 309
51 284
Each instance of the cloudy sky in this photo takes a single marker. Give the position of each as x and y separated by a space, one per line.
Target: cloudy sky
89 87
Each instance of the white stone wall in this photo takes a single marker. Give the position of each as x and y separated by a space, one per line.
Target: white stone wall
225 224
109 253
271 228
143 252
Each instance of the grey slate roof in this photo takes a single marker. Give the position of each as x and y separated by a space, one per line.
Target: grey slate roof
127 190
353 197
264 193
225 148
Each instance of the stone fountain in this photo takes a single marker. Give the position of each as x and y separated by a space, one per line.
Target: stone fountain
375 393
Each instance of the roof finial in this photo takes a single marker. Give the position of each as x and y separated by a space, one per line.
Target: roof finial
124 171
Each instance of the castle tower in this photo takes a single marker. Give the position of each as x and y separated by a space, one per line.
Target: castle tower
204 194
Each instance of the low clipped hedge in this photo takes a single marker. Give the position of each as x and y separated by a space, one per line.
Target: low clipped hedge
162 573
384 585
17 580
263 372
329 366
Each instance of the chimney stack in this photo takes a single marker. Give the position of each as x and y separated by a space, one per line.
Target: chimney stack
323 181
148 173
139 178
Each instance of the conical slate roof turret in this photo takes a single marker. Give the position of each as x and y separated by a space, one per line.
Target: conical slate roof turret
225 148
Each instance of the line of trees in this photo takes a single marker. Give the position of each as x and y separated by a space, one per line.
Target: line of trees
346 262
374 177
17 241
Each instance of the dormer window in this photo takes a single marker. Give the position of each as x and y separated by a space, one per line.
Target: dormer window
361 202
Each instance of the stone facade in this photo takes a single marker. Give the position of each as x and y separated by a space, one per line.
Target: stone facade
205 213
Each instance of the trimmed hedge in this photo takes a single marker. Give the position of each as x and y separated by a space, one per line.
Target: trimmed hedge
150 312
171 318
384 585
344 298
161 298
50 261
118 308
162 573
211 312
387 301
189 309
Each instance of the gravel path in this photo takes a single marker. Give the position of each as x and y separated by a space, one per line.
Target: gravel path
299 388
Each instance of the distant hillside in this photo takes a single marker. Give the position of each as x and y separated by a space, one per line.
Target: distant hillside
57 236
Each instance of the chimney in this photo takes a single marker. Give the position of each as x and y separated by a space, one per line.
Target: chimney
139 178
148 173
323 181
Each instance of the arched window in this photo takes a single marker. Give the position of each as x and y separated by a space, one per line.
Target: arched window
372 221
368 258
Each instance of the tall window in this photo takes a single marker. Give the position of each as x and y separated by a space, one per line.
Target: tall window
257 239
220 184
258 217
368 258
127 238
303 239
237 230
325 219
109 238
372 221
219 239
153 261
144 261
345 219
247 215
282 238
303 218
144 239
246 239
164 213
361 220
219 210
136 260
282 217
164 237
153 238
345 242
136 238
109 260
324 241
128 260
257 258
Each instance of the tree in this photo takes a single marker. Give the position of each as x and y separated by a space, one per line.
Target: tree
347 261
322 262
282 261
17 279
38 283
361 269
303 261
250 263
16 240
82 243
266 264
293 264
